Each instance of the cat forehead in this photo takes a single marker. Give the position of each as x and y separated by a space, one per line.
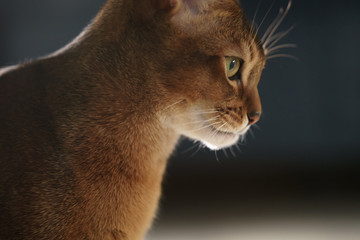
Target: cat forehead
204 4
192 8
219 25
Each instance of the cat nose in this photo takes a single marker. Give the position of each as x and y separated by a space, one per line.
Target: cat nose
253 117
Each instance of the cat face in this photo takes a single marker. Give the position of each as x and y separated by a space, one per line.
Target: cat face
213 84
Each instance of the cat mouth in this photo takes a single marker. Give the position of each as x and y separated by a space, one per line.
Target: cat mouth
228 133
222 133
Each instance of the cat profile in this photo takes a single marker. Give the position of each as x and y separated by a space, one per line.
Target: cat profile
86 132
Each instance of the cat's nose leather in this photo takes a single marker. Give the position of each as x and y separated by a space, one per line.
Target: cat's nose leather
253 117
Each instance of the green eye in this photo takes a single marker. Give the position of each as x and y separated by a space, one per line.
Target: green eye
233 65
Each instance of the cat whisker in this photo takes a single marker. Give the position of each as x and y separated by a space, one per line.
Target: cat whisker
251 133
237 147
271 26
276 38
206 126
196 144
268 31
225 153
252 27
282 55
261 23
216 156
173 104
211 112
219 128
213 132
282 14
278 47
197 150
200 121
194 113
232 151
256 127
243 138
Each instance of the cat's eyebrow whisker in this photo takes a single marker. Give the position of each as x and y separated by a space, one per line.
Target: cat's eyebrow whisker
281 46
262 21
252 27
276 38
270 27
281 55
256 11
284 13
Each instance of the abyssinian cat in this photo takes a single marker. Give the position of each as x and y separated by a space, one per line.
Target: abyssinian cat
86 132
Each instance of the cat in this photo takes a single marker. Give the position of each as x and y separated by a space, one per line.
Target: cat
85 133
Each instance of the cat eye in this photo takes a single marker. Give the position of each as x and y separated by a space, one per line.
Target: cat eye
233 66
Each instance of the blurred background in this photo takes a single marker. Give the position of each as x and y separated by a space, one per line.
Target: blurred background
297 175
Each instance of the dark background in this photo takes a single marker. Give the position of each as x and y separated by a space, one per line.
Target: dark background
305 156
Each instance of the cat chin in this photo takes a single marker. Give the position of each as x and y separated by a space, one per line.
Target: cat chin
221 142
213 139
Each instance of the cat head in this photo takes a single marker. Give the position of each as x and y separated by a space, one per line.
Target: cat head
206 61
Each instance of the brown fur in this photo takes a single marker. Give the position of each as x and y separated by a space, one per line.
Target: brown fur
85 133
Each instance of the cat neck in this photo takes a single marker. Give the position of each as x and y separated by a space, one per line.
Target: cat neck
114 89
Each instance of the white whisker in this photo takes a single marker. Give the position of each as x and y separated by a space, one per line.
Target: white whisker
213 132
219 128
196 144
270 27
256 126
200 121
232 151
225 153
243 138
281 46
197 150
284 13
252 27
217 159
193 113
281 55
211 111
262 21
206 126
251 133
276 38
237 147
173 104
